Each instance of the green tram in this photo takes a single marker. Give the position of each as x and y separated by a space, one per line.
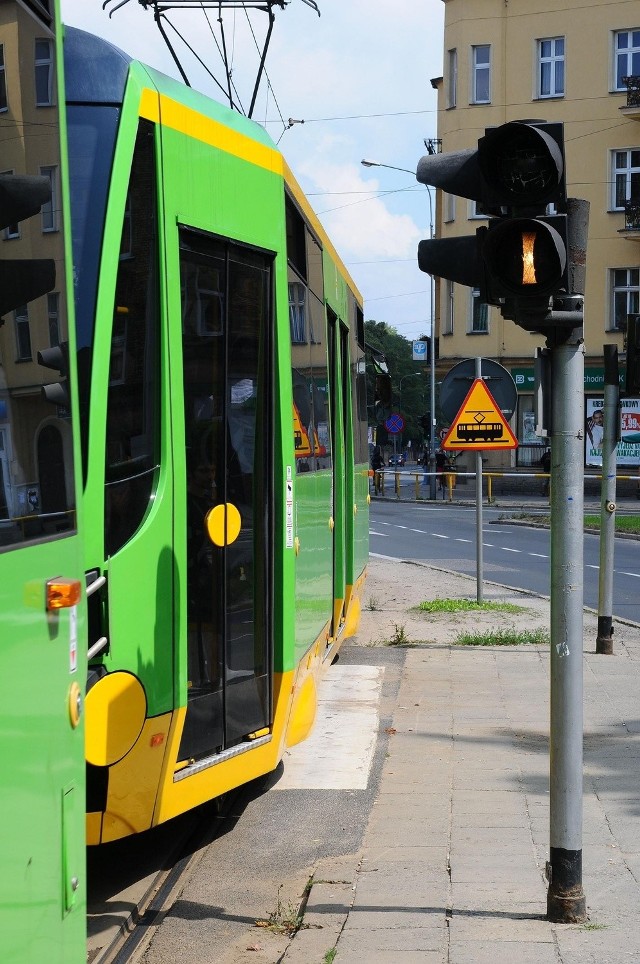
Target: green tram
43 633
224 445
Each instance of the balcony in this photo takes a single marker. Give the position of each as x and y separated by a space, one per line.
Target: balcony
632 107
631 229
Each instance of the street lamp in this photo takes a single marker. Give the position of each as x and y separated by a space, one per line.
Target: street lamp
432 367
411 375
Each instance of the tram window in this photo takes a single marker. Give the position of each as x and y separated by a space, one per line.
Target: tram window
296 253
132 442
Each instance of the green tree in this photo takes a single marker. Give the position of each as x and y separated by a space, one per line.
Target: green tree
414 401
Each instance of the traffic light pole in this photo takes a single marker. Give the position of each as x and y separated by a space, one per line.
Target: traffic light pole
565 897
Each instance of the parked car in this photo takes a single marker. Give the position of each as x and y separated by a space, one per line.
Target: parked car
397 460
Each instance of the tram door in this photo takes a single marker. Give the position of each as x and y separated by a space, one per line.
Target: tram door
226 307
42 625
338 381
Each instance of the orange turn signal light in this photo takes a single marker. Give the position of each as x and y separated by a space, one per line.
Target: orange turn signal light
62 593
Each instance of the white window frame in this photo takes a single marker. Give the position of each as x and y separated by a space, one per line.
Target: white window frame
630 290
448 307
477 69
298 312
42 65
452 81
21 319
448 207
625 175
478 323
3 82
627 53
552 60
53 317
49 210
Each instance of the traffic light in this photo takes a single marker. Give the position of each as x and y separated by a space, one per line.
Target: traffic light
22 196
425 422
382 386
632 374
56 358
519 262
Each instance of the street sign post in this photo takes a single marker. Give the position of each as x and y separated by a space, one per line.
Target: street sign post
457 381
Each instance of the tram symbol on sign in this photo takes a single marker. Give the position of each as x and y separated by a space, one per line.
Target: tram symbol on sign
479 430
479 424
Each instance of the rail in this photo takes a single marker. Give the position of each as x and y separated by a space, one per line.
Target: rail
447 481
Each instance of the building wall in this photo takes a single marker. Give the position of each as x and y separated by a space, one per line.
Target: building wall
596 122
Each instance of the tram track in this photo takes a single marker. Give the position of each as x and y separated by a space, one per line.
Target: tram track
125 906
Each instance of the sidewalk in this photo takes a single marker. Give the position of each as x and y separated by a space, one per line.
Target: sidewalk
451 868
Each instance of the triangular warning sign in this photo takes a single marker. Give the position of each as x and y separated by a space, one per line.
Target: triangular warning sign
479 424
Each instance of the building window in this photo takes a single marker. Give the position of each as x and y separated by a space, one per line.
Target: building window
297 299
44 73
447 308
49 208
4 104
452 88
625 296
627 56
625 177
475 210
23 335
53 314
479 315
551 67
448 207
481 66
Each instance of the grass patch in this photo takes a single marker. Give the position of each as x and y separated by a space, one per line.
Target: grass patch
504 637
624 523
329 957
467 606
594 927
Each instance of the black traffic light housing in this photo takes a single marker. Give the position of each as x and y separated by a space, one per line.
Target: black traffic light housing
56 358
520 261
22 196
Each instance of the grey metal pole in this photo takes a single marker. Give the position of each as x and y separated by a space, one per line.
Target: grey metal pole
565 897
479 547
433 490
604 640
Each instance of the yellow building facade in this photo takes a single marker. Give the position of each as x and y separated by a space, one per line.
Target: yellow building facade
579 64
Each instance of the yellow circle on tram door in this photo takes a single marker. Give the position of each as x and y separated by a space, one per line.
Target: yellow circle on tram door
223 524
115 711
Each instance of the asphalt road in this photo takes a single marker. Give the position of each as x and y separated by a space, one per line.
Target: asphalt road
515 555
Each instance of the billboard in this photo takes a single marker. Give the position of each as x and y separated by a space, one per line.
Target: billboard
628 449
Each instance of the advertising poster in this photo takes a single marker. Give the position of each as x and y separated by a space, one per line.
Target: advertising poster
628 450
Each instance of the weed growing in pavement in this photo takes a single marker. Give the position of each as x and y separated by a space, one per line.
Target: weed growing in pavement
399 637
329 957
466 606
593 927
504 637
373 605
283 920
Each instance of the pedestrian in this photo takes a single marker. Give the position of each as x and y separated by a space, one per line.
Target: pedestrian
545 462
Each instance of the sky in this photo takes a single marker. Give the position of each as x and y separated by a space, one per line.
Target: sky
359 77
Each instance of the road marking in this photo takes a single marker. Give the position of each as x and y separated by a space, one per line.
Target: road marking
507 549
621 572
538 555
339 752
436 535
462 540
589 566
383 535
488 545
